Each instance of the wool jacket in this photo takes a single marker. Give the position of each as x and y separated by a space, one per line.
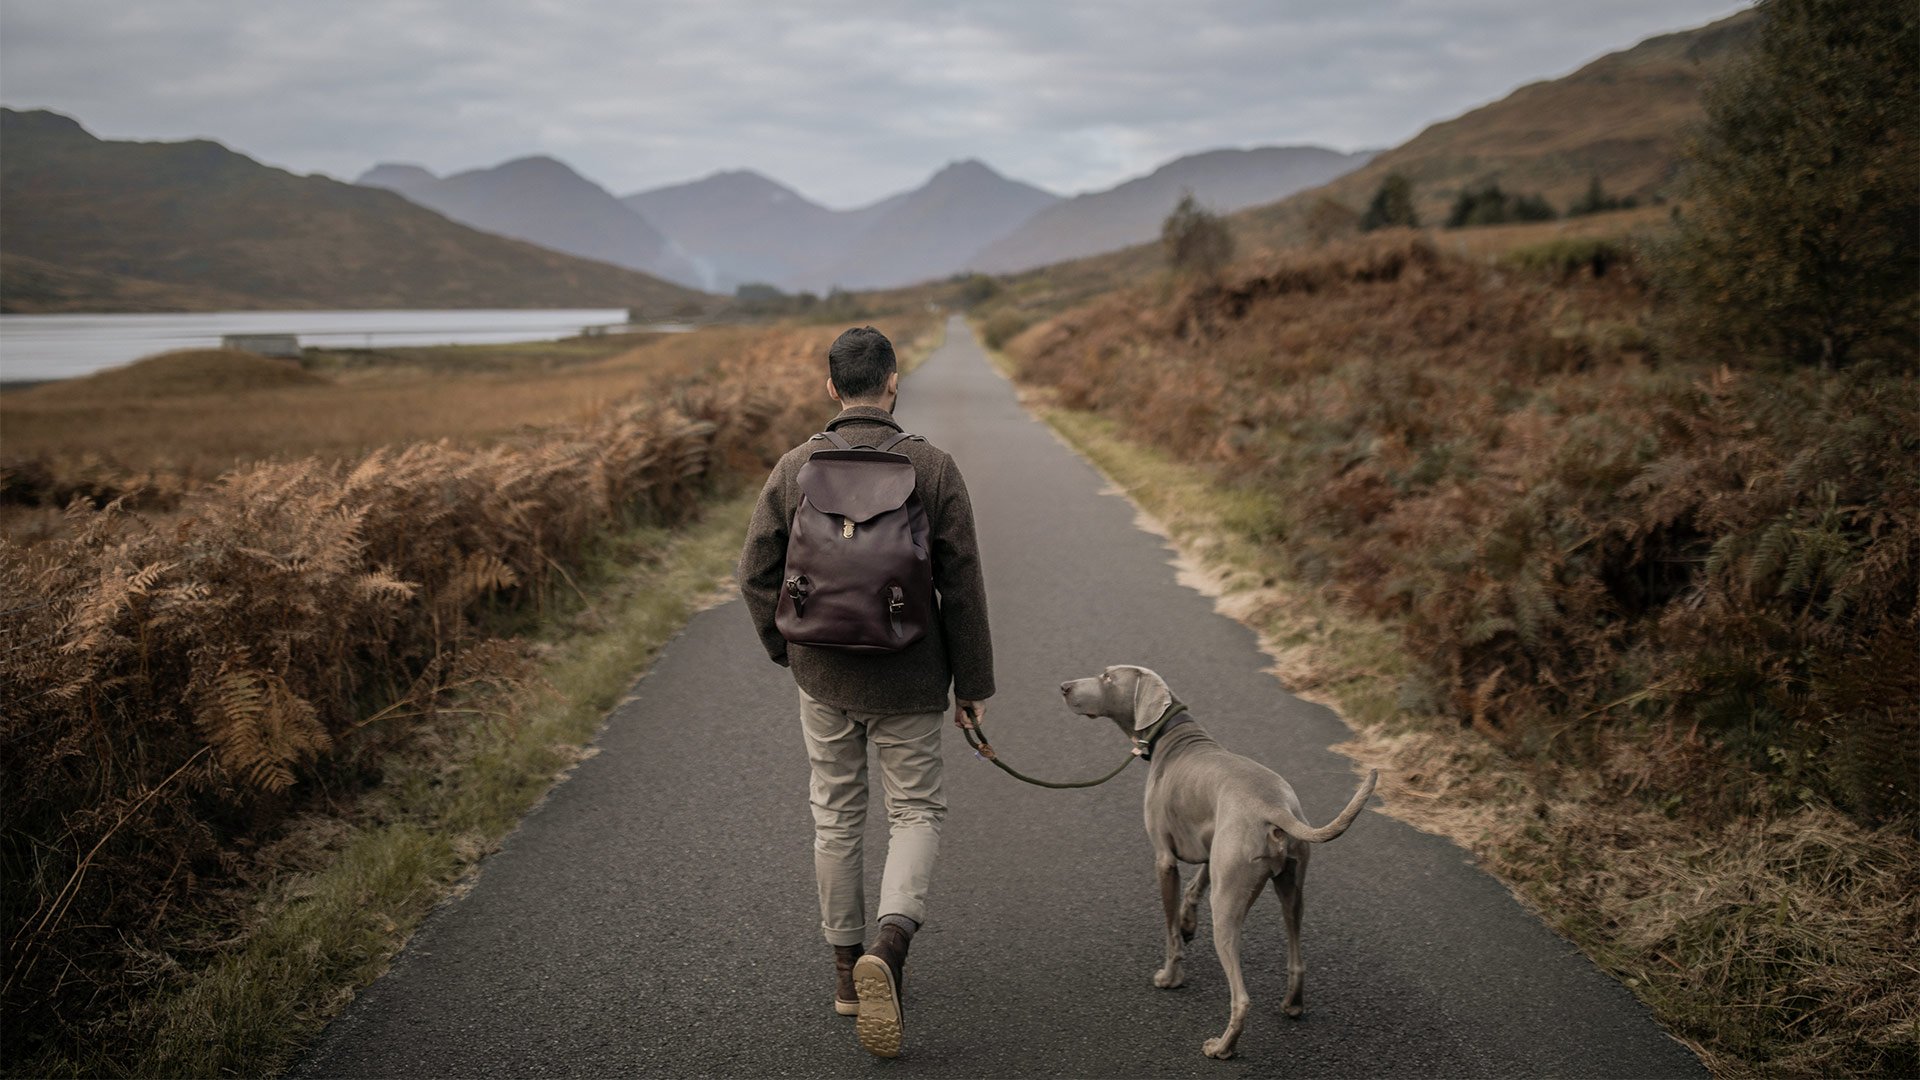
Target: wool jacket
957 650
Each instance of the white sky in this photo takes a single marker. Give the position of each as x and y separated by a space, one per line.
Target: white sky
845 102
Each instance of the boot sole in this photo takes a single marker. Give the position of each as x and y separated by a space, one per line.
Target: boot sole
879 1022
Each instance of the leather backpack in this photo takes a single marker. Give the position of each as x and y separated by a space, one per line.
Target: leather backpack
859 569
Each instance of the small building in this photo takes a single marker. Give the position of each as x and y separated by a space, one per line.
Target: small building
286 346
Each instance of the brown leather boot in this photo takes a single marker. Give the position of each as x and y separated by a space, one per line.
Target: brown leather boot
846 1001
876 978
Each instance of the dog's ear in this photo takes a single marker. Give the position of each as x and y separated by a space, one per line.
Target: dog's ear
1151 698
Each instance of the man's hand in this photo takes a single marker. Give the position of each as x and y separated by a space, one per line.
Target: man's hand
961 710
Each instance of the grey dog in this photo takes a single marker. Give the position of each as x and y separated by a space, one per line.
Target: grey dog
1230 814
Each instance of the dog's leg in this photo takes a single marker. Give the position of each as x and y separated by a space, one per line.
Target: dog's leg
1190 904
1290 886
1233 896
1170 975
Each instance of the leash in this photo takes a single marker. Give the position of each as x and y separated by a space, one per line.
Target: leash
981 748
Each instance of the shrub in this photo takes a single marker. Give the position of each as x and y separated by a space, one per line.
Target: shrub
1800 237
1596 201
1491 206
170 682
1003 326
1196 240
1391 206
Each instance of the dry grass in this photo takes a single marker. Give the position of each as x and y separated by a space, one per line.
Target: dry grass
179 683
154 430
1634 623
1774 945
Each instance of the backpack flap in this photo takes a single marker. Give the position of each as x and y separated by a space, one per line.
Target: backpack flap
856 485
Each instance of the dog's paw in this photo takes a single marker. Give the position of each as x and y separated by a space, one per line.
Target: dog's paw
1169 978
1294 1011
1217 1048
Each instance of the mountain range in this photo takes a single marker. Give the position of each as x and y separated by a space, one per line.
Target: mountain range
738 226
543 201
96 225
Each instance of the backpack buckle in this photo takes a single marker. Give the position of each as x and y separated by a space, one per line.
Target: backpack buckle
896 600
799 588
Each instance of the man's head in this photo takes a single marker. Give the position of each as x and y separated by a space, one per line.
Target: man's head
861 369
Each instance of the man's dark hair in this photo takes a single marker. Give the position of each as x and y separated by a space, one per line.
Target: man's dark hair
859 362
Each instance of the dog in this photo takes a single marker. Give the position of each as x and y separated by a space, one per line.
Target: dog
1230 814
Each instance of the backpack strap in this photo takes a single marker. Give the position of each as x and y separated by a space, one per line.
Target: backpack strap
834 437
897 440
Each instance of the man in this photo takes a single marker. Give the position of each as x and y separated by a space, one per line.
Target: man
894 700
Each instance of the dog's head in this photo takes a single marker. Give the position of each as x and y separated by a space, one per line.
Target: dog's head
1133 697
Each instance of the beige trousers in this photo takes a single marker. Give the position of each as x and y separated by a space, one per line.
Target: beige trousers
908 748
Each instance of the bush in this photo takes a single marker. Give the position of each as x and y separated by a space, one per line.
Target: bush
1003 326
170 682
1597 201
1196 240
1800 236
1491 206
1391 206
977 289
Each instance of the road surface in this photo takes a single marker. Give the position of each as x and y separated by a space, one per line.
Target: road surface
656 915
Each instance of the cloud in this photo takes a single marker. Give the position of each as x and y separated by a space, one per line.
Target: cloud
846 102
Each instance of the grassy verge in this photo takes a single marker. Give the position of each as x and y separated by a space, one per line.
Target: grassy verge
322 934
1775 946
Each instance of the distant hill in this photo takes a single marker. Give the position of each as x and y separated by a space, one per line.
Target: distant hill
741 227
1223 180
1623 118
936 229
543 201
92 225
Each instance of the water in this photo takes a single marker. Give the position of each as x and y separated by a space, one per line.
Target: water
63 346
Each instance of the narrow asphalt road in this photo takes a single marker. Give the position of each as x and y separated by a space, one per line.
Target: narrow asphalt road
656 915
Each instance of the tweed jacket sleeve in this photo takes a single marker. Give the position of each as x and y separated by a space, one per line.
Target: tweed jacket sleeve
962 586
763 563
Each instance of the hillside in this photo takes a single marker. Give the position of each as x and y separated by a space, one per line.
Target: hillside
93 225
543 201
1622 117
1131 213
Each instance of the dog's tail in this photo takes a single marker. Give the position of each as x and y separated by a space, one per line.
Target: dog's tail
1292 826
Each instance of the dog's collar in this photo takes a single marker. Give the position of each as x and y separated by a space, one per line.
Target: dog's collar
1145 741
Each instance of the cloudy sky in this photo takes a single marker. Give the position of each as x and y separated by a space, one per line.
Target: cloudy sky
846 102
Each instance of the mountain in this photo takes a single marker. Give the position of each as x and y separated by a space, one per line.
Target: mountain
93 225
934 230
741 227
1623 118
1223 180
542 201
393 177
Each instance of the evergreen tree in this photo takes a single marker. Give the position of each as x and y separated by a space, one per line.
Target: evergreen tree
1800 237
1392 206
1197 241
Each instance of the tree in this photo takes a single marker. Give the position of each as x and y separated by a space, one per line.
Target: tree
1597 201
977 289
1196 240
1800 234
1491 206
1392 206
